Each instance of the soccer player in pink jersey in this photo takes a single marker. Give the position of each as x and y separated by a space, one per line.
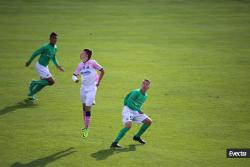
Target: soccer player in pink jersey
90 81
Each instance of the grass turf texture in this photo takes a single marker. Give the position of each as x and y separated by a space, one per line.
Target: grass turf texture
195 52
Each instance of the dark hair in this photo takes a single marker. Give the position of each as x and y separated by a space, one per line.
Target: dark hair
88 52
147 80
53 34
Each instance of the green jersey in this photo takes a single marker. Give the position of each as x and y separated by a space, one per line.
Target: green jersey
46 52
135 99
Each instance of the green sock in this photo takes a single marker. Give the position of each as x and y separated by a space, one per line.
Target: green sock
32 84
37 86
42 82
143 128
121 134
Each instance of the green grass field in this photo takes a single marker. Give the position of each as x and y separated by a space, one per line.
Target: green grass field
195 52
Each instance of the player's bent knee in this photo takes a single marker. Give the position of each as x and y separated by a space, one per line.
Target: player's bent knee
148 121
129 125
51 82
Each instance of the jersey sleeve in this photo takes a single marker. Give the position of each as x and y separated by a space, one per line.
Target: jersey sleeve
77 70
97 66
54 60
36 53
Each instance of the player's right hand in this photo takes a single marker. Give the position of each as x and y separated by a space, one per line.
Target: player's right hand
77 81
27 64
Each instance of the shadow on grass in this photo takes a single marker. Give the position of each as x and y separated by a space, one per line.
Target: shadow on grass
18 105
41 162
104 154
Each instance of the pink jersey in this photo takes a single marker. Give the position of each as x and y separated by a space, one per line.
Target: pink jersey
88 72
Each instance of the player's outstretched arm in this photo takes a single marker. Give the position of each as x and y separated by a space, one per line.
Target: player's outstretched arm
34 55
100 77
76 73
54 60
27 63
74 78
60 68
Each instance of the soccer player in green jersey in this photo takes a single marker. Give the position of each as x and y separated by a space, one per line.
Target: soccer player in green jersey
47 52
132 113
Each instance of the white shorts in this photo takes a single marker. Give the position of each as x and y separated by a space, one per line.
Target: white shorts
42 71
131 115
88 95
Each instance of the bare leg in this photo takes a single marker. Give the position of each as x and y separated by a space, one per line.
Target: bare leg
83 113
87 115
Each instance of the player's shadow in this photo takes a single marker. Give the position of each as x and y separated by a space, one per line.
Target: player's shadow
19 105
41 162
104 154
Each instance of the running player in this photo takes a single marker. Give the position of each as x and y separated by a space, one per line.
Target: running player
90 81
132 113
47 53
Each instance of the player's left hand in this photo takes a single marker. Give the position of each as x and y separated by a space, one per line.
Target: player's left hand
60 68
97 84
141 112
